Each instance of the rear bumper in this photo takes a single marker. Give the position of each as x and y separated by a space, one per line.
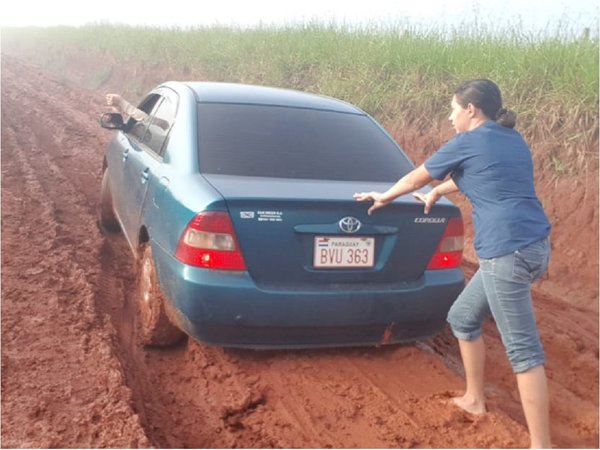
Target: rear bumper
228 309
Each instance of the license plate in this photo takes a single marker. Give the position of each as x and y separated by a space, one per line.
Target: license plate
343 252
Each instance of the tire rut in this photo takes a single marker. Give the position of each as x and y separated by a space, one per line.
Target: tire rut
55 338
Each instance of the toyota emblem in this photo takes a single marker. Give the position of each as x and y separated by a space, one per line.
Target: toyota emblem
350 224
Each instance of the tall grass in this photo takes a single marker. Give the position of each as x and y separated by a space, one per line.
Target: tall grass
398 73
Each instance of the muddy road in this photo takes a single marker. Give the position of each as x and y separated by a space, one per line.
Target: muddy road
73 377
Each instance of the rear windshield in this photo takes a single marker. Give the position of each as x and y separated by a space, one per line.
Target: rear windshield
284 142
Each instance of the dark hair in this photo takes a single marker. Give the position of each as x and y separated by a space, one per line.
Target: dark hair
485 95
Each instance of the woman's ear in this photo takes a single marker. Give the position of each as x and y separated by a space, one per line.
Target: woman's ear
472 110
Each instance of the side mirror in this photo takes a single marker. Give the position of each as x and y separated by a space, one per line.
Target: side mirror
111 121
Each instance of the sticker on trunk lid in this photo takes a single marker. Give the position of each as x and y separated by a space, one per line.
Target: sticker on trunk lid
263 216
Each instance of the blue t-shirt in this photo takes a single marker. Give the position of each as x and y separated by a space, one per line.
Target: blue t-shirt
492 166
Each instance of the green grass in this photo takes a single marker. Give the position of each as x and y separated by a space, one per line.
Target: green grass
396 73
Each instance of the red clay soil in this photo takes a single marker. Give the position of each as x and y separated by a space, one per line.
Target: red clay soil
73 377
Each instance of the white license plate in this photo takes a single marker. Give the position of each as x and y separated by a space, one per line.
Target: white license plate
343 252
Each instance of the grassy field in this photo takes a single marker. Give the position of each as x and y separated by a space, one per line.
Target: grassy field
400 74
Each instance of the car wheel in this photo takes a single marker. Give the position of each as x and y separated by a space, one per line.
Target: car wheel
153 326
106 215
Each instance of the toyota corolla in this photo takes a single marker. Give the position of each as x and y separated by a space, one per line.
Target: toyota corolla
237 202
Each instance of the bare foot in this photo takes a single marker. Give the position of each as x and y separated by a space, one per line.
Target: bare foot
469 404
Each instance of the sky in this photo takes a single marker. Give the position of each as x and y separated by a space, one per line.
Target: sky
532 14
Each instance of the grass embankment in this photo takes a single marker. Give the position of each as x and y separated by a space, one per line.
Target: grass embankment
397 74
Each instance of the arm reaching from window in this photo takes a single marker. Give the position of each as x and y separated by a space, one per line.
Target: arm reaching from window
124 107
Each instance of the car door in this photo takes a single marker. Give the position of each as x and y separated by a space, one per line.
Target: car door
156 169
126 143
143 160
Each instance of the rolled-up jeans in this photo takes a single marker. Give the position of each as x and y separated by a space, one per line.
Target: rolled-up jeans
502 288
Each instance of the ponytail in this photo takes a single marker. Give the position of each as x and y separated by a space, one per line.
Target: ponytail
506 118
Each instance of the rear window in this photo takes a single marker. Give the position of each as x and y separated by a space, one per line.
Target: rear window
284 142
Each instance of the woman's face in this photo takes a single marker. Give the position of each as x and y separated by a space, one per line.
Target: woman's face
460 117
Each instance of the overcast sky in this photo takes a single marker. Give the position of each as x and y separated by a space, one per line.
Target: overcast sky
532 14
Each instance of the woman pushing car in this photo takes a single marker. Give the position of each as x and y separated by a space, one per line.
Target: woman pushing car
490 163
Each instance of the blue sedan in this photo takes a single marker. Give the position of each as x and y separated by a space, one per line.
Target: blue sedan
237 202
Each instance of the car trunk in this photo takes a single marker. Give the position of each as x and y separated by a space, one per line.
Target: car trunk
282 223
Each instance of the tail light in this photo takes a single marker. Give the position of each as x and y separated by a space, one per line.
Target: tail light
209 241
448 253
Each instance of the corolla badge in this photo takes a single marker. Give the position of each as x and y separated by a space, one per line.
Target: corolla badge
350 224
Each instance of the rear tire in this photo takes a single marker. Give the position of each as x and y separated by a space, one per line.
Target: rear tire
107 220
153 326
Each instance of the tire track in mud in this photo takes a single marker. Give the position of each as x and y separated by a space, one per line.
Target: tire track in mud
52 339
54 148
200 396
386 397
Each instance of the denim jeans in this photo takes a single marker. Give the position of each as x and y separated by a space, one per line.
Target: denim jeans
501 288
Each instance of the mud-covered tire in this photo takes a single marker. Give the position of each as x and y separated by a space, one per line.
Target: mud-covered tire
153 327
107 220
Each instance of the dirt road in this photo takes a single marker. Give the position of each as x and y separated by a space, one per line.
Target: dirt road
71 376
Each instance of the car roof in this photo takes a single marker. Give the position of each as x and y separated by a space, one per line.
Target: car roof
212 92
